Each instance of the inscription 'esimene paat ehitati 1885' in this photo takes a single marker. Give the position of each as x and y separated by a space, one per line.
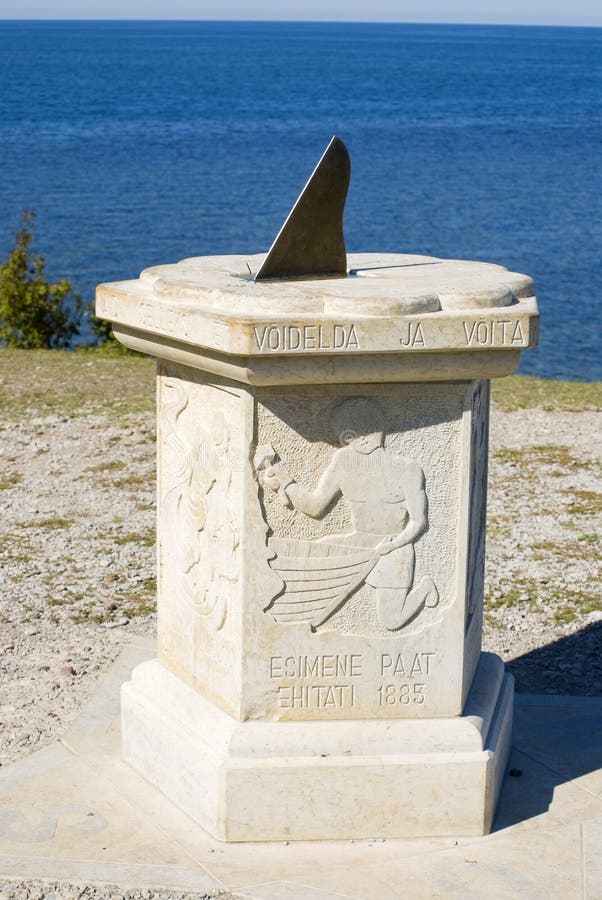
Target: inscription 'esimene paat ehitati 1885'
322 474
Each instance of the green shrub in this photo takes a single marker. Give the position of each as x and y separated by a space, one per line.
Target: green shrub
33 313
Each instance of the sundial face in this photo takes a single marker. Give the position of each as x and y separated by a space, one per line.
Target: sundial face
311 244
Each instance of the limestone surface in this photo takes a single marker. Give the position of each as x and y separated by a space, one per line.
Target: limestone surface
406 309
322 482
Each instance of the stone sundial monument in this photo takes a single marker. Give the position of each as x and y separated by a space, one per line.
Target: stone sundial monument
322 469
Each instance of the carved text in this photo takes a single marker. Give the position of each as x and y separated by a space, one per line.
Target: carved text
291 338
487 333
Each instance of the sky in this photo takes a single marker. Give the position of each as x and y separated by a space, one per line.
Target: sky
516 12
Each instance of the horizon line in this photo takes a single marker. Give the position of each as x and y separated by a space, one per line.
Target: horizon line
266 21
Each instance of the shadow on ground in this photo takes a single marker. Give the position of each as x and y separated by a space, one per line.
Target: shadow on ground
571 665
557 737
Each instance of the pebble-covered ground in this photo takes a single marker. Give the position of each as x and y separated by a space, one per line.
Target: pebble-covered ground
77 575
77 506
543 594
54 890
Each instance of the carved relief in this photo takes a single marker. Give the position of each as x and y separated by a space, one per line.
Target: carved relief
197 507
386 496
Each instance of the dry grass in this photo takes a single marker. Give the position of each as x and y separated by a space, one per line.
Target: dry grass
524 392
36 383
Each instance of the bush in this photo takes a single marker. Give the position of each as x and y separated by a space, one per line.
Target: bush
33 313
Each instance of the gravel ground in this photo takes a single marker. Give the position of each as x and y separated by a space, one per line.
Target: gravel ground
54 890
77 565
543 592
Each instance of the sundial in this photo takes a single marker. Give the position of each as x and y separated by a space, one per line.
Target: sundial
322 463
307 296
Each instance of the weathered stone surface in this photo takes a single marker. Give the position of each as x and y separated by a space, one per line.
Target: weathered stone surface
322 473
280 593
260 781
406 309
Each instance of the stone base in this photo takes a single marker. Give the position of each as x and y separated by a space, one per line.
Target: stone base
264 781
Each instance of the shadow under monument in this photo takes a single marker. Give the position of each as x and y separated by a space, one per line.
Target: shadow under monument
557 727
571 665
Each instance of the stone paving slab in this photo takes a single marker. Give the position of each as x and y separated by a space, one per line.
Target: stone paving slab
76 811
128 877
592 860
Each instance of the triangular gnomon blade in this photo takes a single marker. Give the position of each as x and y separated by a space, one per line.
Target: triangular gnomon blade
311 241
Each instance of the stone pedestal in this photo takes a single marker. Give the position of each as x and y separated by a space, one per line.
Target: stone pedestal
322 465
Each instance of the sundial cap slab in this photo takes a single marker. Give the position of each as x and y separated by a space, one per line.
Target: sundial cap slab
447 305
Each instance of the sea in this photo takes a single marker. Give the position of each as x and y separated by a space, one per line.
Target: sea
139 143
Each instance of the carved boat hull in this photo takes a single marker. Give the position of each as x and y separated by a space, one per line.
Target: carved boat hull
318 578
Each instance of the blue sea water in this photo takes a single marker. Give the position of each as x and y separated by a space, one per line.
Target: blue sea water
144 142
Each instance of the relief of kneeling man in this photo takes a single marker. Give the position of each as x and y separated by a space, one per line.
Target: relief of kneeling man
388 504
